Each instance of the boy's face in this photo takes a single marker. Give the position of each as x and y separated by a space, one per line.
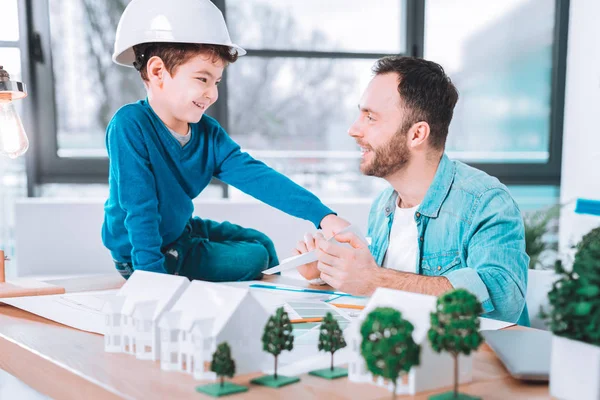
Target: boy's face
192 88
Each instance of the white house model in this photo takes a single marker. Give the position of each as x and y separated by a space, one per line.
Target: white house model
132 316
205 315
435 370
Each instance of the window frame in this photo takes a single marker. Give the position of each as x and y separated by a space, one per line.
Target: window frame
45 166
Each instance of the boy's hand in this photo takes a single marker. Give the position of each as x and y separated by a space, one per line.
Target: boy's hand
308 271
332 224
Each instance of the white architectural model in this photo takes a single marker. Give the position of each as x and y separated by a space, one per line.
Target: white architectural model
132 316
205 315
435 370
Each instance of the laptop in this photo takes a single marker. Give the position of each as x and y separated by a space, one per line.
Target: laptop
524 353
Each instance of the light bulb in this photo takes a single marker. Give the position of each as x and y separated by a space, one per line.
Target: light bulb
13 140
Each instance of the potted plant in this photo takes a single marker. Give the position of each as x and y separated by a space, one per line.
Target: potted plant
387 345
538 226
574 318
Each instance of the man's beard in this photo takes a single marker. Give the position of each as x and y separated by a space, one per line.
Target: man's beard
388 158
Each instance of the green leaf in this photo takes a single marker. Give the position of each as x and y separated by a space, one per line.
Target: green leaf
589 291
583 308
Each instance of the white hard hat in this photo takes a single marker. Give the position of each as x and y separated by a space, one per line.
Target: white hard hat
175 21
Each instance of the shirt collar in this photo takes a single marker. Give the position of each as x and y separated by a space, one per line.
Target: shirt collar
436 194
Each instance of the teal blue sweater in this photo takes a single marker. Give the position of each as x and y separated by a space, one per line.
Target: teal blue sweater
153 180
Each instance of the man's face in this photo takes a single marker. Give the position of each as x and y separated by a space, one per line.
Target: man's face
192 88
378 129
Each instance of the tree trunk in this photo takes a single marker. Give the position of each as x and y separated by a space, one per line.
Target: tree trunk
455 375
275 374
395 386
222 381
332 361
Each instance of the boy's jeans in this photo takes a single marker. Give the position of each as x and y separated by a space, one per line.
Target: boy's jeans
216 252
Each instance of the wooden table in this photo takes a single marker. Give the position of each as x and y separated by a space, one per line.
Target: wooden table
66 363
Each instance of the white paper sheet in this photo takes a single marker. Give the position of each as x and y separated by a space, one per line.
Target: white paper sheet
301 259
78 310
488 324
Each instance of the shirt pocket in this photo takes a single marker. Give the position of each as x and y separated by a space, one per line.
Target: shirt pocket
440 263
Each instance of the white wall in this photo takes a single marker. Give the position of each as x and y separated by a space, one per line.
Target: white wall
62 237
581 140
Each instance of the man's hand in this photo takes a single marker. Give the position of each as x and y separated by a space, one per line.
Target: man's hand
351 270
308 271
332 224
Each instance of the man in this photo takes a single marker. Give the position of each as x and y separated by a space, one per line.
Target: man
442 224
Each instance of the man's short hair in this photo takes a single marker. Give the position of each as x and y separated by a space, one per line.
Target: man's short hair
426 92
175 54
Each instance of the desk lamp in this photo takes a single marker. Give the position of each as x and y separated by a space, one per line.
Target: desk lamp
13 143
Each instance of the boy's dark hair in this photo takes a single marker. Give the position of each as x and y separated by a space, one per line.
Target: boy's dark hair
426 92
176 54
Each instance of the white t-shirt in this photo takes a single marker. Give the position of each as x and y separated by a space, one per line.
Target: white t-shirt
401 254
182 139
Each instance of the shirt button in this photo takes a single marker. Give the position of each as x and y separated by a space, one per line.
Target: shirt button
421 238
418 215
387 209
439 267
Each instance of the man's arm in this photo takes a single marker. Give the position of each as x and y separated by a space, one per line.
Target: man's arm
496 259
432 285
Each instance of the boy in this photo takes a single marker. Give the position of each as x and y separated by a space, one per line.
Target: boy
163 152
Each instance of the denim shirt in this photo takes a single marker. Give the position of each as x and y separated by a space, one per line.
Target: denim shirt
470 230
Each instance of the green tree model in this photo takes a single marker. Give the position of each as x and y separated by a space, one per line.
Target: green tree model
331 337
387 344
222 363
278 335
455 326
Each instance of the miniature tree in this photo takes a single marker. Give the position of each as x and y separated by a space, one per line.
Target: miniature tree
222 364
278 335
331 339
387 344
277 338
455 329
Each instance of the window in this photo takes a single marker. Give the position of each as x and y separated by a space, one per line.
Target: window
328 57
291 99
13 182
504 58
